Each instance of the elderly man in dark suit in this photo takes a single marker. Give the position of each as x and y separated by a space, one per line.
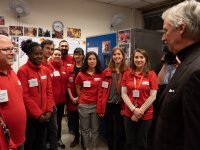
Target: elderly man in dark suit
178 118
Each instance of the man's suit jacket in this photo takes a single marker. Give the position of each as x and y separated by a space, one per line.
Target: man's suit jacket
178 120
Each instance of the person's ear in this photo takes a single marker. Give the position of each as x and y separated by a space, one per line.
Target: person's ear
182 28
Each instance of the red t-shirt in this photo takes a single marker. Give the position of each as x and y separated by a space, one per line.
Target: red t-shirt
144 85
89 87
14 111
67 60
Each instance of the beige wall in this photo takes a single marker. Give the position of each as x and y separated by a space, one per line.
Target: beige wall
93 18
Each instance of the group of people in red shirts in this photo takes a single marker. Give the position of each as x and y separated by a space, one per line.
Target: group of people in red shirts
122 95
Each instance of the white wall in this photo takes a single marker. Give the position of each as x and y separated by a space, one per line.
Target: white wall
93 18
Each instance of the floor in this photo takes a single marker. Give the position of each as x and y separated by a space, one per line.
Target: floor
67 138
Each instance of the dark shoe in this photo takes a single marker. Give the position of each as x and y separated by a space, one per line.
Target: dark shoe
60 144
74 143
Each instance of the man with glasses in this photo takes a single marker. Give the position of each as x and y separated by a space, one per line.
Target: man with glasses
11 95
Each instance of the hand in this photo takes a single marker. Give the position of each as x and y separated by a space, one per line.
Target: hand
122 112
134 118
42 119
75 100
48 116
138 113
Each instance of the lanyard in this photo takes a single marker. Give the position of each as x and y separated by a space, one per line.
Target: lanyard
117 82
5 130
136 86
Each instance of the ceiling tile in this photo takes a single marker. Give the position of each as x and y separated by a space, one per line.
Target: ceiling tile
105 1
154 1
131 3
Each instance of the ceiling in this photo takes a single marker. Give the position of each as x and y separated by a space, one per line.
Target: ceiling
139 4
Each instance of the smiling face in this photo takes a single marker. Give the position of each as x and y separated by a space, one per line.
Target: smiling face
78 57
6 52
36 55
139 60
64 47
92 61
117 57
56 57
47 50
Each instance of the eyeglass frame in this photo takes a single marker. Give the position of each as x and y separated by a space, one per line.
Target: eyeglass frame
8 49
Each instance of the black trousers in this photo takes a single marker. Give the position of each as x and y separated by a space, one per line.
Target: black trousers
115 127
74 122
60 113
137 133
52 130
35 135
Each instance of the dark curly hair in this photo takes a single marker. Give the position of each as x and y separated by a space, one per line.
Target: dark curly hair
28 46
85 66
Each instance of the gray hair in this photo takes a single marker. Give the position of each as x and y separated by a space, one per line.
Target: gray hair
187 12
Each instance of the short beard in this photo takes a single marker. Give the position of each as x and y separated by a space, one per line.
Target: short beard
64 53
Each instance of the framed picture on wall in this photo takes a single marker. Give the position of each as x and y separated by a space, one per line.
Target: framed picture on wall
126 48
30 31
106 47
2 21
44 32
4 31
124 36
73 33
16 30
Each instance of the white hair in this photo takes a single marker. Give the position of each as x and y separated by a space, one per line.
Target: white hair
187 12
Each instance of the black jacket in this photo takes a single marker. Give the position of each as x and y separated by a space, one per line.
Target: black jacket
178 118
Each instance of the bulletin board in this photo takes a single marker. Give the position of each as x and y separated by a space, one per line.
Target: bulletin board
102 45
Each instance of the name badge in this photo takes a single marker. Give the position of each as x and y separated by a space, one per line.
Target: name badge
86 84
105 84
19 83
136 93
97 79
3 96
56 73
69 65
43 77
71 79
33 82
145 83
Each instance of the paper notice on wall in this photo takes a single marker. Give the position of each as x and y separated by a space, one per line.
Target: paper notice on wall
94 49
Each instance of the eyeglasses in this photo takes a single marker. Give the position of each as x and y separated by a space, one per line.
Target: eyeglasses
8 49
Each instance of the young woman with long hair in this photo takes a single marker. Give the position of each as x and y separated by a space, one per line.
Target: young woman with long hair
110 101
87 85
139 88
